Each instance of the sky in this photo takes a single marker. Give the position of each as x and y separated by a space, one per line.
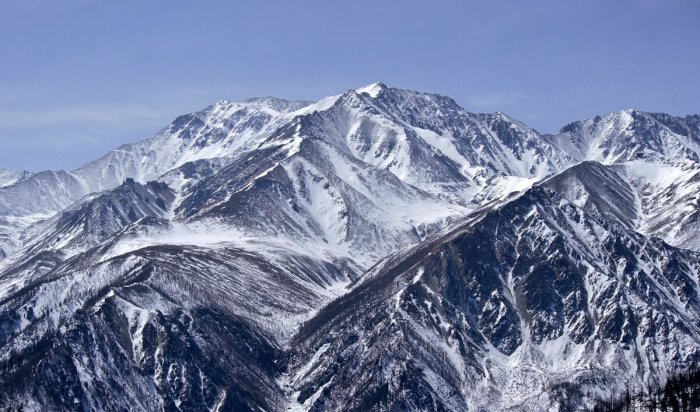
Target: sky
81 77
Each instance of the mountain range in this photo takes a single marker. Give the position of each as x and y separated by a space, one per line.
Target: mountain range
382 249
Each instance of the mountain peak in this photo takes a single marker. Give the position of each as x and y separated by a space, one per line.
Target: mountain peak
10 177
373 89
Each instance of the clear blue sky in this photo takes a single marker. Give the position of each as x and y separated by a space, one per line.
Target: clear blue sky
80 77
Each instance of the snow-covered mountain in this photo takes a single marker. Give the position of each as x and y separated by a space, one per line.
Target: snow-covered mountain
382 249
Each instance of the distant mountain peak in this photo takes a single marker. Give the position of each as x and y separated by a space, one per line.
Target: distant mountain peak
10 177
373 89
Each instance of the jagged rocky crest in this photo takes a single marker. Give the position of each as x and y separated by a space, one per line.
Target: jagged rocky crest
382 249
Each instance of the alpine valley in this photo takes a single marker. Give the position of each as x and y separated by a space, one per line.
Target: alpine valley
382 249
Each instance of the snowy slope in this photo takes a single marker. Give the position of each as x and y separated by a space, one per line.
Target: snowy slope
655 198
628 135
10 177
668 194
